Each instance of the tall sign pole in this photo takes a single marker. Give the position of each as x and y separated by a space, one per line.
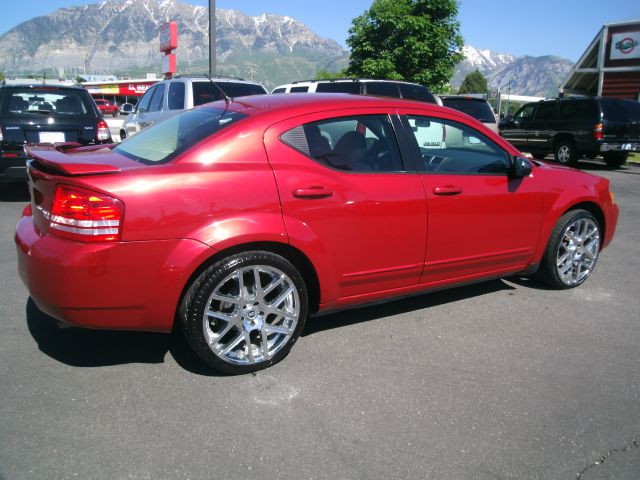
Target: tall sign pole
212 37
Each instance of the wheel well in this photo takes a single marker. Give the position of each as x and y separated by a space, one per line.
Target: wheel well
293 255
594 210
560 137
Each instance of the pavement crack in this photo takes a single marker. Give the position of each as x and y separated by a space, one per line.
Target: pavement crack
634 444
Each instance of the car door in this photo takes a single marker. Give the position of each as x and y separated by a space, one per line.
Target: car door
350 200
518 129
481 221
542 127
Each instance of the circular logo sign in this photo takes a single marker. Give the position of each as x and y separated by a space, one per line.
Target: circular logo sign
626 45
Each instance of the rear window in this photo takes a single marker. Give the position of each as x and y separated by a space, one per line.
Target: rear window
166 140
626 111
51 101
338 87
205 92
480 110
416 92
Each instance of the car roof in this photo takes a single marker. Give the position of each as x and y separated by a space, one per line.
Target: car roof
302 103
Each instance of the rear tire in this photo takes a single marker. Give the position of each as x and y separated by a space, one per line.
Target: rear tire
565 153
245 312
615 160
572 251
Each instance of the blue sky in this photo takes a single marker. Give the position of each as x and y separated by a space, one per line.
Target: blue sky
519 27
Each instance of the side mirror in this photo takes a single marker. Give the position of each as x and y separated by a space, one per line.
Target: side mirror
520 167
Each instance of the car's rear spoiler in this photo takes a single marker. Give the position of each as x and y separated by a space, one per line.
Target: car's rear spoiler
54 156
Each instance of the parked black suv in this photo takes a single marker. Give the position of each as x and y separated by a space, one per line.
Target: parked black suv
576 127
44 114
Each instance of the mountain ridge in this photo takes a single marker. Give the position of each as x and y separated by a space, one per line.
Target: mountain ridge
121 37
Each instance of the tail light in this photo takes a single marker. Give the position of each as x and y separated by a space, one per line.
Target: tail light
85 216
1 137
103 131
597 131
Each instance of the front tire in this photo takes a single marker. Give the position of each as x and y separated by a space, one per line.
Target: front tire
572 251
245 312
565 153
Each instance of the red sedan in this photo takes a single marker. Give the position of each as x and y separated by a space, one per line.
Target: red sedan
106 107
237 221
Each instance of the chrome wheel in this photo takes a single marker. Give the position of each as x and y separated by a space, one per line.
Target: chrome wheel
251 314
577 251
563 154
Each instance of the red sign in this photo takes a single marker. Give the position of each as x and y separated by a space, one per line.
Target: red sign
168 37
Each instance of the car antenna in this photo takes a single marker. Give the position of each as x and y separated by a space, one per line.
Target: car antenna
227 98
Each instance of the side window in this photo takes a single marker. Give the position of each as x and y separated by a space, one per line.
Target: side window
526 112
156 101
338 87
143 106
299 89
416 92
545 110
451 147
176 96
364 143
279 90
383 89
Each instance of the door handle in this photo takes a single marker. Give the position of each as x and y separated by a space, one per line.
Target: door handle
447 190
317 191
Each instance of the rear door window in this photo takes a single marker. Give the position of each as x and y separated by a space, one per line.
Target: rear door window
545 111
299 89
363 143
175 98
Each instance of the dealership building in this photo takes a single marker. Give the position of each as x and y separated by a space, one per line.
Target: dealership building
610 66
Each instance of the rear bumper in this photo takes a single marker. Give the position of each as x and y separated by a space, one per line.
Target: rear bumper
125 285
620 147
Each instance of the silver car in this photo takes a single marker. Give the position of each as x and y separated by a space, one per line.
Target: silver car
170 97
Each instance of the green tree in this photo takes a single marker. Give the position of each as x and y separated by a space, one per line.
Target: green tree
324 74
1 76
412 40
474 82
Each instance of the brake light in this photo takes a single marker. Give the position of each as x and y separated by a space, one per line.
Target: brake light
103 131
85 216
597 131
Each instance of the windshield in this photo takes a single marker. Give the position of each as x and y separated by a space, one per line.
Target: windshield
480 110
166 140
53 101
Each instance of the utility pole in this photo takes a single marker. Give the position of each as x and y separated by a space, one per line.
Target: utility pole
212 37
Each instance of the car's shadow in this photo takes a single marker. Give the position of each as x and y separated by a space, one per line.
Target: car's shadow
14 192
80 347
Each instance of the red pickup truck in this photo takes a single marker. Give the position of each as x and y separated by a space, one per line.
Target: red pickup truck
105 106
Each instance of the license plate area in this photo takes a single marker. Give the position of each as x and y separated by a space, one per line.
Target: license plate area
51 137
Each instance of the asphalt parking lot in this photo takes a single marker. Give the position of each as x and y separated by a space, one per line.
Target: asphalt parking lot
501 380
